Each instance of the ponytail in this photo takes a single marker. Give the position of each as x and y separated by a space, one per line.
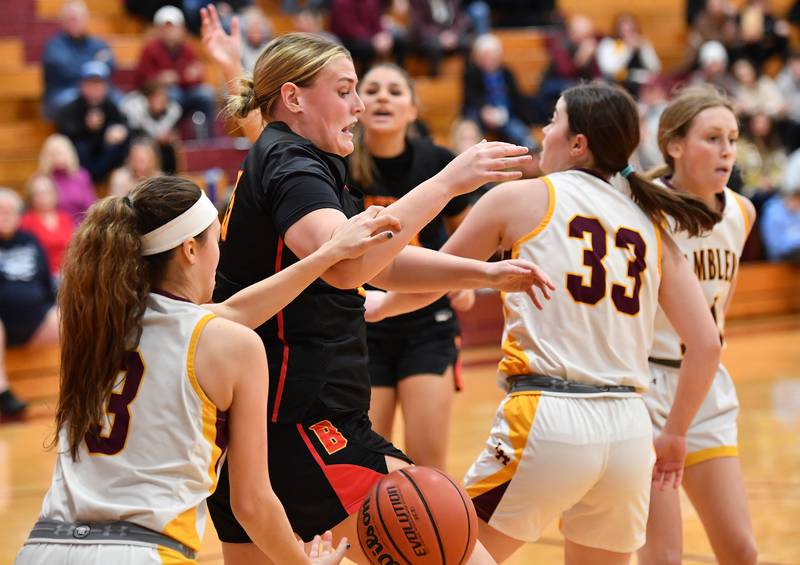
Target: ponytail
689 212
238 106
103 296
101 302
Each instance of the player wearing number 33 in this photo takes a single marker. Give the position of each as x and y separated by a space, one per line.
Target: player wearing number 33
572 439
154 385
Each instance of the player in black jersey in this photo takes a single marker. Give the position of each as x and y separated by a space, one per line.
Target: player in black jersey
291 195
413 357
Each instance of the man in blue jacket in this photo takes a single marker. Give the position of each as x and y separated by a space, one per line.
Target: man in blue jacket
64 55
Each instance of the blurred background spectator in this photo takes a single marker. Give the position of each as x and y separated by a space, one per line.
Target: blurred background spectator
653 99
463 135
571 54
780 217
256 33
59 161
761 34
626 56
142 163
27 298
439 28
359 25
754 94
51 227
761 157
65 54
172 61
94 123
150 112
788 81
713 62
491 96
716 21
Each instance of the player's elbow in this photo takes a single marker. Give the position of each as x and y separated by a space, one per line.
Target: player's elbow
344 275
707 346
249 504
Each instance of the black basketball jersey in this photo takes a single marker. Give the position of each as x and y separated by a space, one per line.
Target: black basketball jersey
394 178
316 346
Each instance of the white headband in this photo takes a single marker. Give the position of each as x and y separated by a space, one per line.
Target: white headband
192 222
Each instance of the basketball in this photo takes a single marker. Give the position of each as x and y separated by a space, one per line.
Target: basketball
417 515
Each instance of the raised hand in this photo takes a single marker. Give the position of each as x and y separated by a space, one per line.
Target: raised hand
225 50
519 275
362 232
670 458
487 161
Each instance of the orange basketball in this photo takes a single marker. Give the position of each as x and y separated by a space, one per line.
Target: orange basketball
417 515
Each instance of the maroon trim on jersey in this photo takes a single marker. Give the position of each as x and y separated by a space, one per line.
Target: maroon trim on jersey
351 483
285 361
170 295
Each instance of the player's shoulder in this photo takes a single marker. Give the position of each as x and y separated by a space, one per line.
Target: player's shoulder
229 339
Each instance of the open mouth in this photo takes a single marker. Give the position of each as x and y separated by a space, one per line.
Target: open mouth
382 113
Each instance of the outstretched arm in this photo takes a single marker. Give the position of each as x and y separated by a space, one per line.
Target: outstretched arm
496 221
476 166
257 303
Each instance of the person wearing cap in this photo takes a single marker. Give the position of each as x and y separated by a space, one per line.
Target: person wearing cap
780 217
158 386
171 60
65 53
94 123
713 62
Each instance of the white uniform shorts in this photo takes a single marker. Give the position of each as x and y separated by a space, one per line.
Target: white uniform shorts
585 458
713 431
98 554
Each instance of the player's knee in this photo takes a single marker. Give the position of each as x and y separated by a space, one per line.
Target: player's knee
741 552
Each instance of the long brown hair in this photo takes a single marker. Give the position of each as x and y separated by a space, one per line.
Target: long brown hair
678 116
607 116
362 164
293 57
103 294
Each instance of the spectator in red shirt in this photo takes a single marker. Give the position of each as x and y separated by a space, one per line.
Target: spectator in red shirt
171 60
358 24
51 227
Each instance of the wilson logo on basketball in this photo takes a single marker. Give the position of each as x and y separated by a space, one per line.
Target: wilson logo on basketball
406 517
417 516
369 538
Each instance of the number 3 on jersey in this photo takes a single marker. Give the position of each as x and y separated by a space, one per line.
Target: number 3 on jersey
625 300
110 439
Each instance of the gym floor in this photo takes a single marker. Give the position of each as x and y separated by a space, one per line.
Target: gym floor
762 356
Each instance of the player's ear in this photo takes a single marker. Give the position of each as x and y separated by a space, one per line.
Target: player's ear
188 250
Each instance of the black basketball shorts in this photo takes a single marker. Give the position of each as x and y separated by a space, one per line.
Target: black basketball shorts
321 471
394 356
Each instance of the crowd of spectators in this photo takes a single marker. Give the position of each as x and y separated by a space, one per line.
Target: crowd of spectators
113 139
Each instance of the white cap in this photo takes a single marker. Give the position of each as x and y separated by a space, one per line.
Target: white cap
168 15
712 52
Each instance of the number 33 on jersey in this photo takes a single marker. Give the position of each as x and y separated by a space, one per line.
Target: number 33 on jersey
607 254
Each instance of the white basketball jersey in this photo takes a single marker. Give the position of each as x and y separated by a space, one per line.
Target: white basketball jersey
157 457
604 255
714 257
